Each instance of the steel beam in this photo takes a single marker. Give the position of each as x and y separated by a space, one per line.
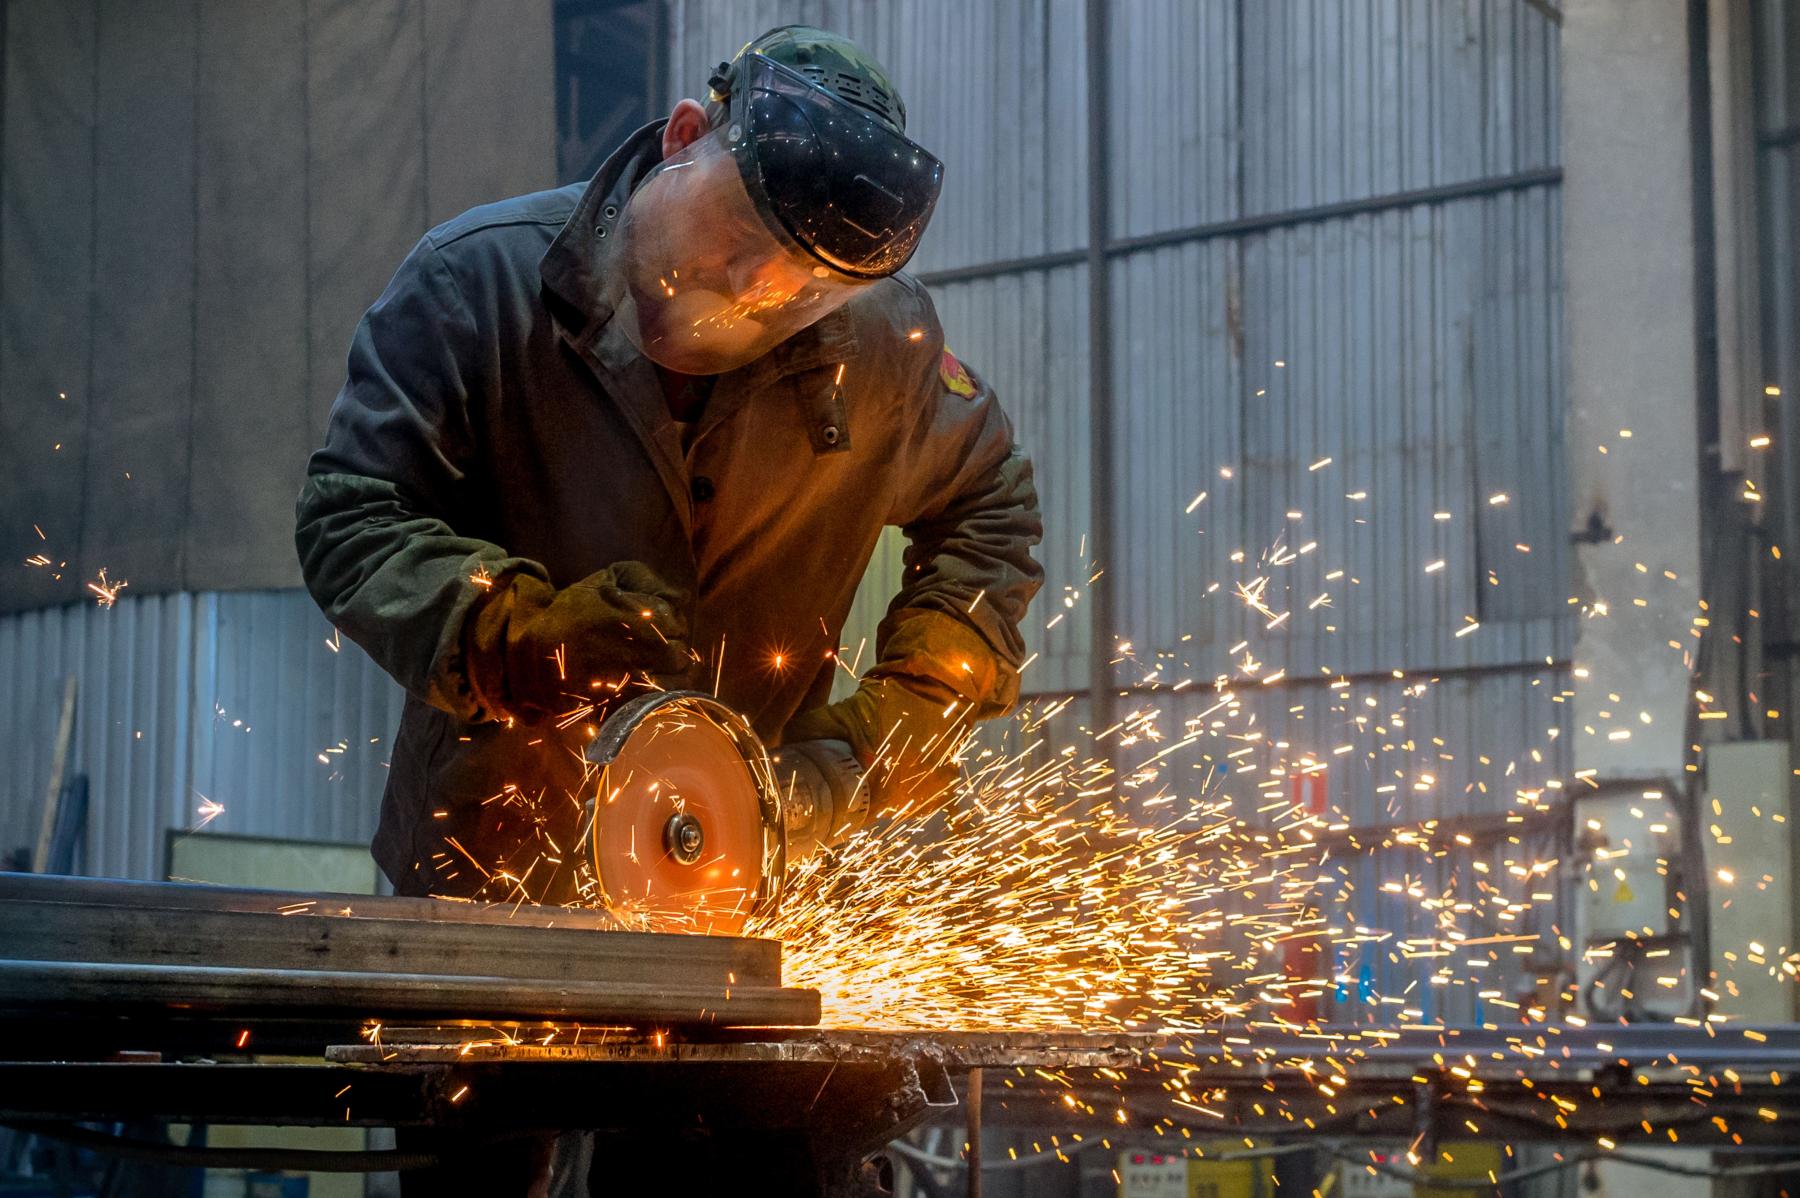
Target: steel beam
238 993
85 949
184 896
317 939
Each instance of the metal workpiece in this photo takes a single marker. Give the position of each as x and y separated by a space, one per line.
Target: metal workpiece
76 947
189 896
244 993
955 1051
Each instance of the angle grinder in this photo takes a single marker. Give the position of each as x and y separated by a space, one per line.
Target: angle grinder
694 822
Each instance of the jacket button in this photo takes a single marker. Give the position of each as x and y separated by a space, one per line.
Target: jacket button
830 434
702 489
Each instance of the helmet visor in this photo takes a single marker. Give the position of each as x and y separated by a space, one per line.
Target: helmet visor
845 185
709 285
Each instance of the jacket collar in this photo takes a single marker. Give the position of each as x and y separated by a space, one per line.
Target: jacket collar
575 267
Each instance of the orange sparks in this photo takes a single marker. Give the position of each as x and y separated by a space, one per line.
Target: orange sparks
106 593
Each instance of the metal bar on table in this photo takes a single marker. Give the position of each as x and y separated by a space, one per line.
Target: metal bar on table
316 940
85 987
185 896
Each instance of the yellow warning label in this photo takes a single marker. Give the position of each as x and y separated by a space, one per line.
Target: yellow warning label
1624 893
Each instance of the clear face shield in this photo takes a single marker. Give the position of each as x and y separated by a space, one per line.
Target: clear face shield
762 227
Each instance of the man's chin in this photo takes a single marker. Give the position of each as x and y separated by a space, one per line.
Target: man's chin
688 338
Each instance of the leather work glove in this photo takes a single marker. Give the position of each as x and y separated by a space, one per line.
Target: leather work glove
909 717
535 652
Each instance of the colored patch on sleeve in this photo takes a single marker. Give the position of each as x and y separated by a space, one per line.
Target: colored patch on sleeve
957 379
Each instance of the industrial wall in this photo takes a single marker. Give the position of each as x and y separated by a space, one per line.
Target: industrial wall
1332 234
1333 308
197 201
198 198
240 712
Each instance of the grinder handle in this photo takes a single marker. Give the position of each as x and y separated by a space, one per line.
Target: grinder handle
825 796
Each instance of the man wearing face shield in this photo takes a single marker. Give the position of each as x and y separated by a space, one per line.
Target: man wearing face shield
646 430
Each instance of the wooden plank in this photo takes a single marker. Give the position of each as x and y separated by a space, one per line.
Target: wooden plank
72 932
243 993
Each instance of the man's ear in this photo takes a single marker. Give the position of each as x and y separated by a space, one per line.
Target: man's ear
687 125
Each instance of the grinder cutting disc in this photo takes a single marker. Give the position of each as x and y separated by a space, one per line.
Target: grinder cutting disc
687 834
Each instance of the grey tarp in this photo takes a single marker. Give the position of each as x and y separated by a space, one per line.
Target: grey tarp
198 198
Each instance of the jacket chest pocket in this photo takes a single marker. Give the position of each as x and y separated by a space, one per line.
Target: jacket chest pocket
818 399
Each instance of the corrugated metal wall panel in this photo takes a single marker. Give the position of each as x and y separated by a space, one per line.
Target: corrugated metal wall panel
1344 102
1397 373
1777 45
1397 752
187 698
1175 114
1778 65
1417 347
198 199
1178 341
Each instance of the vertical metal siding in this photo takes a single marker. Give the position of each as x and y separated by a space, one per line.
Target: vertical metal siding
1777 43
1175 118
232 697
1417 346
1461 746
1407 352
1414 346
1347 101
1027 336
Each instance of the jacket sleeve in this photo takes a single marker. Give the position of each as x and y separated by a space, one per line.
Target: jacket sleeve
968 507
375 525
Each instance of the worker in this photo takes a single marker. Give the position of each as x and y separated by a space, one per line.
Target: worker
646 431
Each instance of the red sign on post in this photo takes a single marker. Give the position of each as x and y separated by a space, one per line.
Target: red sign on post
1302 958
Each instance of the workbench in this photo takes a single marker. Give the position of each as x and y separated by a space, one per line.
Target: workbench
130 1002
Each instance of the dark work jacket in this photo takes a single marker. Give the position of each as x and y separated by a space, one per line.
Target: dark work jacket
495 420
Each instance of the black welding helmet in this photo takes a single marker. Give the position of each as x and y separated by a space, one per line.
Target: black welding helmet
805 192
837 175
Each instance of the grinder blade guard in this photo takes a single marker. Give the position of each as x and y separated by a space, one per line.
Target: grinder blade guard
686 830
